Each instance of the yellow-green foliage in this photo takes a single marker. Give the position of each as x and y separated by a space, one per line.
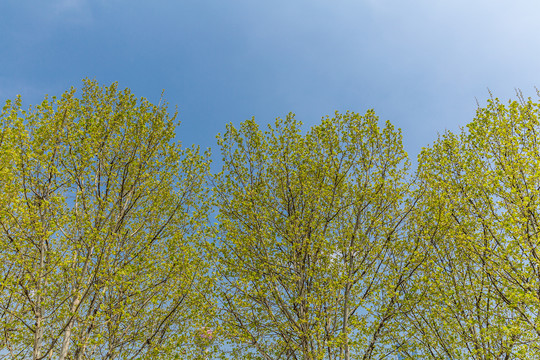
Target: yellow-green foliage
482 188
100 224
314 259
324 245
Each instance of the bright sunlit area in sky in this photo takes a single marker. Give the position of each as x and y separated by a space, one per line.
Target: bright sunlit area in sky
420 64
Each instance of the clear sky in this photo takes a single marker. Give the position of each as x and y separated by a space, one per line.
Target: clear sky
418 63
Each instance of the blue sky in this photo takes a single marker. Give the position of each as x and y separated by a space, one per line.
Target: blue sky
418 63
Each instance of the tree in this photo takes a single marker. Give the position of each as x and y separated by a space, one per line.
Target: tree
484 288
314 255
101 224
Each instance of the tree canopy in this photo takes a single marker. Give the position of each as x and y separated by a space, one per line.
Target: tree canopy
314 258
322 243
101 216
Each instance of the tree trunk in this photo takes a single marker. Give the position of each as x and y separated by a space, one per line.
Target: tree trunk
67 334
38 331
344 330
